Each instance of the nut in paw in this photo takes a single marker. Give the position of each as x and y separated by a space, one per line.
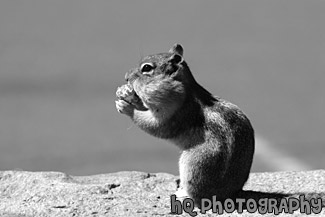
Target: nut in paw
126 93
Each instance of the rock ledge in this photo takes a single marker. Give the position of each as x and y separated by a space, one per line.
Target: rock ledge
25 193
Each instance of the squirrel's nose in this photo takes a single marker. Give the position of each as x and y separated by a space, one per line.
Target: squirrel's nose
131 75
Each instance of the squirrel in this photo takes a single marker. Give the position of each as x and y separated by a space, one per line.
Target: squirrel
216 138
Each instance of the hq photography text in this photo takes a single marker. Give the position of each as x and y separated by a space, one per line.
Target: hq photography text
263 205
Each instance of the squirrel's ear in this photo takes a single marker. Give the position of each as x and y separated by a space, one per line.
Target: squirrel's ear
176 58
177 48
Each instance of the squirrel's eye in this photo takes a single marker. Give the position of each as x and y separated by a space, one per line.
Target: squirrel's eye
146 67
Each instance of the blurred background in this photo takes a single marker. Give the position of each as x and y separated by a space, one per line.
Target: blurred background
61 62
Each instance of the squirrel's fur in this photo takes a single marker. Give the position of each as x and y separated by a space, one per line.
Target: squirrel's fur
215 136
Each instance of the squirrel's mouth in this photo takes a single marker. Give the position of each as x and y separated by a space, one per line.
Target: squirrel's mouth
139 103
135 92
137 96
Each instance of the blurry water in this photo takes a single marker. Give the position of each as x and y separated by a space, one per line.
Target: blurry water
60 64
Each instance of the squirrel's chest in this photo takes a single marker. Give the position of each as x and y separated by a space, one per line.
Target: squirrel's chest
174 129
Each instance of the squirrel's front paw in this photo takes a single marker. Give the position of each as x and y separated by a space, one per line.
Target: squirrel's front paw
127 94
124 107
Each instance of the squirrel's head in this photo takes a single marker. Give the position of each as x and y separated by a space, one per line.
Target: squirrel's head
169 64
161 78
